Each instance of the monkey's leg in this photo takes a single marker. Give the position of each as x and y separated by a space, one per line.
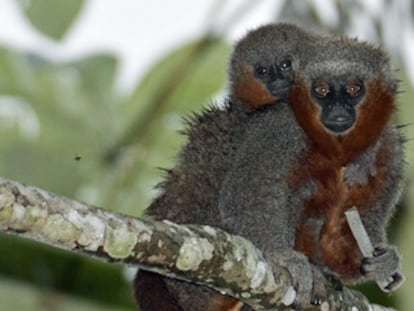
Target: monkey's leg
152 293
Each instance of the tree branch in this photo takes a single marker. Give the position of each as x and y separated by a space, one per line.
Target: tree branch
201 254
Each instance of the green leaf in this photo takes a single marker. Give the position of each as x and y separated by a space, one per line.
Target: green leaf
51 17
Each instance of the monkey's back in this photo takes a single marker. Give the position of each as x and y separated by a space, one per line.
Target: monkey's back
189 193
256 200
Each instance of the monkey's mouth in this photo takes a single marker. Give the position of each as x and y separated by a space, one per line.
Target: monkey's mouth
280 91
339 125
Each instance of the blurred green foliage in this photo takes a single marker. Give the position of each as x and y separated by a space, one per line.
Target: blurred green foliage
66 129
52 17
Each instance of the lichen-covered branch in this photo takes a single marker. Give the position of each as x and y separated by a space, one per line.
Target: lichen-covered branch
199 254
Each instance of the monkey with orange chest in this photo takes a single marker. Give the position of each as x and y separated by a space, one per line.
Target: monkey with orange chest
354 157
293 149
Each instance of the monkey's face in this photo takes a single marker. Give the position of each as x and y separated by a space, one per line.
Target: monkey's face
277 76
337 100
263 64
343 96
262 78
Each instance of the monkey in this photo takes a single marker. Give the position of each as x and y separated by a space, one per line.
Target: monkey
355 157
261 73
303 162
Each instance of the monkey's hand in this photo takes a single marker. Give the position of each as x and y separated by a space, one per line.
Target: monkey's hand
307 279
383 267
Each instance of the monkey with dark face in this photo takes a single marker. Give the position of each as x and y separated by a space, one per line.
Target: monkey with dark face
261 73
354 158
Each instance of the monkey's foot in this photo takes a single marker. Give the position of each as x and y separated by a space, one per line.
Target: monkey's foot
383 267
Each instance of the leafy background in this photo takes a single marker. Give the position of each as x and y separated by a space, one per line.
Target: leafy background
65 128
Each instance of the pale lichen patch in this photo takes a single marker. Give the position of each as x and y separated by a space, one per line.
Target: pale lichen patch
75 218
31 216
210 230
35 214
5 213
325 306
193 252
19 212
289 296
228 264
258 276
93 233
245 295
158 259
59 229
119 242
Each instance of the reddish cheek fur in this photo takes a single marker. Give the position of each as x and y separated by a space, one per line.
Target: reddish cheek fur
324 164
251 90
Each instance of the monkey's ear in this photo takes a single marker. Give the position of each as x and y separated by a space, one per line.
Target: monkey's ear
246 87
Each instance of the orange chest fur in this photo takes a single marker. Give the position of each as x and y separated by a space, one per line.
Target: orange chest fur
322 232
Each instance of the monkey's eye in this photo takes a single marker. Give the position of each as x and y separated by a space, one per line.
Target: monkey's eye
353 89
286 64
261 70
322 89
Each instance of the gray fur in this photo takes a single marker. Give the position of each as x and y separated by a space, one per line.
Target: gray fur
344 57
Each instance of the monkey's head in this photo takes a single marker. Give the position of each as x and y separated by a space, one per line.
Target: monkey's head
345 94
263 63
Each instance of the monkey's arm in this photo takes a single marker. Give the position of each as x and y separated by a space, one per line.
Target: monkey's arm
388 173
